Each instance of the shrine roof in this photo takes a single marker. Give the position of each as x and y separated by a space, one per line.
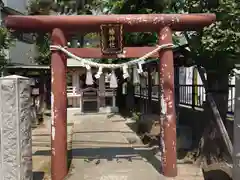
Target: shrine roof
91 23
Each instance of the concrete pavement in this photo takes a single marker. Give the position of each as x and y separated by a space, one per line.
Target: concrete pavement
41 150
103 149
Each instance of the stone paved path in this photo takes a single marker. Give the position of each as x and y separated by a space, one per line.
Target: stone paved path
41 150
103 150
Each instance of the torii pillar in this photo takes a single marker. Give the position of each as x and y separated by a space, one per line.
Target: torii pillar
164 24
168 114
59 161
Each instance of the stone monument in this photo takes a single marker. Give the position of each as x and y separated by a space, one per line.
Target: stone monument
15 126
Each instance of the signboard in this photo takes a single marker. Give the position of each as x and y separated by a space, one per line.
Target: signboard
111 38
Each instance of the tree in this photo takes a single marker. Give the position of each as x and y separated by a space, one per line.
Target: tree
46 7
40 7
6 40
42 39
216 48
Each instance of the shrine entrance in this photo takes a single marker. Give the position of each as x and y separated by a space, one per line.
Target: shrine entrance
112 28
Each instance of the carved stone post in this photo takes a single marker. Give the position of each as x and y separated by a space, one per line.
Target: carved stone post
15 125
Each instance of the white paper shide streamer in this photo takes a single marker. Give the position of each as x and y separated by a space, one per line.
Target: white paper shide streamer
89 78
113 80
99 73
124 66
125 71
136 76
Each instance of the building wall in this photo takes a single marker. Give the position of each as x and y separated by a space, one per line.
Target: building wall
17 5
23 50
22 53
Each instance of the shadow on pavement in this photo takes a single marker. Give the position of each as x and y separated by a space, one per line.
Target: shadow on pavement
216 175
110 154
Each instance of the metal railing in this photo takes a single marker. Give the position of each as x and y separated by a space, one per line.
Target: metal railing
195 96
231 98
192 95
189 95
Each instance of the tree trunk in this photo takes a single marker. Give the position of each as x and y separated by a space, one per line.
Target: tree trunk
215 145
218 86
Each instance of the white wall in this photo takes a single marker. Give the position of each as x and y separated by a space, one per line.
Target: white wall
17 5
21 53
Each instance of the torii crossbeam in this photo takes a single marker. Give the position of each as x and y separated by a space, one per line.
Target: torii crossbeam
62 26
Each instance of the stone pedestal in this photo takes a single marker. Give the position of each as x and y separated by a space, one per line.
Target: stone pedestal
15 125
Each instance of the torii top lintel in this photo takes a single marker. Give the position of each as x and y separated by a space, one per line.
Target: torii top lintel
90 23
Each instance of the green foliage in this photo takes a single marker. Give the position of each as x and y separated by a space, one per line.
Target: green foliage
42 45
39 7
221 40
136 116
135 7
214 47
6 40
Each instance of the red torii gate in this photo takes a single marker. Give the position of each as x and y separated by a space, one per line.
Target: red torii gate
60 26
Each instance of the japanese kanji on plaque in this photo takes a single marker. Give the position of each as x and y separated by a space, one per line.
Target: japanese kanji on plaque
111 38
